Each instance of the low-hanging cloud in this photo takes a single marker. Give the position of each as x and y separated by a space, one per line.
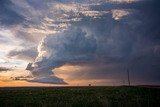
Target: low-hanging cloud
5 69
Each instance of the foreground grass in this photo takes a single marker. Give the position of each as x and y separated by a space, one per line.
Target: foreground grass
80 97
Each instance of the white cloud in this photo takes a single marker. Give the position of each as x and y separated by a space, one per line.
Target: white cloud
117 14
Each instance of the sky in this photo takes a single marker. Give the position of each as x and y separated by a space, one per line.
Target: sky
79 42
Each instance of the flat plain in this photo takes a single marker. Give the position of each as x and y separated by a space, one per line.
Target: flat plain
100 96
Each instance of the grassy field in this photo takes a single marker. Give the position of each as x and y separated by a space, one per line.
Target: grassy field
80 97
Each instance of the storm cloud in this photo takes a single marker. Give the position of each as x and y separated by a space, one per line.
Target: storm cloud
7 14
116 40
4 69
68 46
108 36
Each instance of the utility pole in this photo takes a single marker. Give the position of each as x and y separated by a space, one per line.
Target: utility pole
128 77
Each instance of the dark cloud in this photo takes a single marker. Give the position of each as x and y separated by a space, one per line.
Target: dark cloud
131 42
141 70
4 69
8 16
71 45
106 44
135 41
25 54
41 4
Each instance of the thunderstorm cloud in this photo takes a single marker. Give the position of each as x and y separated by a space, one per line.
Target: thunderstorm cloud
103 37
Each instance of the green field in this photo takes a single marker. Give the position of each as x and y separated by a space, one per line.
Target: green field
80 97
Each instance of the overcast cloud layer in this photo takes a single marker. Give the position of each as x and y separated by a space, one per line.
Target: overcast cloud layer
106 36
